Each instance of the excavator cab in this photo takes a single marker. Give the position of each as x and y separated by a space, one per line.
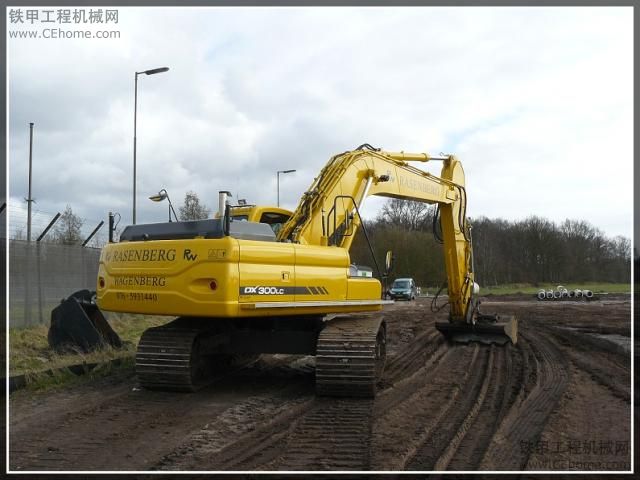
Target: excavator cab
275 217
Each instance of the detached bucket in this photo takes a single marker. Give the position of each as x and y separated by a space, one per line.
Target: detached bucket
487 329
78 324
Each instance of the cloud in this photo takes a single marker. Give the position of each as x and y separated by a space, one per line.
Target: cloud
536 102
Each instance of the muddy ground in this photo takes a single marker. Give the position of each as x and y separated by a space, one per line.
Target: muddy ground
558 400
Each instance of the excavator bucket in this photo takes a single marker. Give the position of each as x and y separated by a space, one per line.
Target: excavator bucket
487 329
78 324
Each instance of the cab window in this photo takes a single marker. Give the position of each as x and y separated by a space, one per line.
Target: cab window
275 220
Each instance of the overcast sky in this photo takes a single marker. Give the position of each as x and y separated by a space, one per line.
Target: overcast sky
536 102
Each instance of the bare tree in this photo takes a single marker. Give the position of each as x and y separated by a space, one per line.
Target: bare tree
408 214
67 228
192 208
532 250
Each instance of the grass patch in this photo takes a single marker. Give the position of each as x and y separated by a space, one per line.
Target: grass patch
30 354
62 378
51 380
533 289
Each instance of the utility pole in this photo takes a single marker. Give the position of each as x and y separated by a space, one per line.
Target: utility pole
153 71
278 182
29 199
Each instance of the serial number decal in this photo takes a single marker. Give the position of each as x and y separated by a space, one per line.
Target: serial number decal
137 297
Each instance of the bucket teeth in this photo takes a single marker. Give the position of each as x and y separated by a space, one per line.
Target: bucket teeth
498 330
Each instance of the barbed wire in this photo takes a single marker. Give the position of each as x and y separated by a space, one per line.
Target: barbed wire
17 213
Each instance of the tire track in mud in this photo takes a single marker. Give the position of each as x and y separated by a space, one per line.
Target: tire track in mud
603 361
235 437
325 434
412 358
455 443
528 416
501 389
338 434
408 414
91 438
438 446
334 435
114 433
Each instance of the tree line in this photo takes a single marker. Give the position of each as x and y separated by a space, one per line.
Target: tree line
533 250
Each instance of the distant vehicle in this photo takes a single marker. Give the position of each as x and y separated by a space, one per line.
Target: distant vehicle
404 288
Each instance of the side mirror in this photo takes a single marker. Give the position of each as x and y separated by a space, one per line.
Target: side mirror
388 262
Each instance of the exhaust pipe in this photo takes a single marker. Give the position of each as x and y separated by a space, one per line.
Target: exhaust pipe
222 202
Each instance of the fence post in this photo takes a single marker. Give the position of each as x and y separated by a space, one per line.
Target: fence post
39 266
110 227
27 284
93 233
44 232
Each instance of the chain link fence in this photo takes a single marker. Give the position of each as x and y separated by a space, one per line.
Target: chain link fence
42 274
40 220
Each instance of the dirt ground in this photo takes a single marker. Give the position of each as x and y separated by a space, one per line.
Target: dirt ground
558 400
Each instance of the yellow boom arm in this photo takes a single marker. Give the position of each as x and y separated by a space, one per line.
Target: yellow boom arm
328 212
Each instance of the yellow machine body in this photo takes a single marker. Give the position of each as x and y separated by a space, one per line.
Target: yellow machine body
231 278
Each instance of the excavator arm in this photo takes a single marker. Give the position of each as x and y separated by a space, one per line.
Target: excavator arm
328 214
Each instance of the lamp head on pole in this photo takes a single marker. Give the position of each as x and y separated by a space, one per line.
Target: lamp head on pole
160 196
153 71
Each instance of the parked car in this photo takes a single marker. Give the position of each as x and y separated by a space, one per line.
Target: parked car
403 288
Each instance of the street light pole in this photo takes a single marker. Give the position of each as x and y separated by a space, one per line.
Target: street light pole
135 118
135 115
29 199
278 182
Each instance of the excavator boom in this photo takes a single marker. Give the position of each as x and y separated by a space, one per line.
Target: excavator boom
328 214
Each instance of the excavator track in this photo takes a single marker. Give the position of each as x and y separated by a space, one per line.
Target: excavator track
168 358
350 356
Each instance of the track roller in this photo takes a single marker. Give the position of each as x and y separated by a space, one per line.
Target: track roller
170 359
350 356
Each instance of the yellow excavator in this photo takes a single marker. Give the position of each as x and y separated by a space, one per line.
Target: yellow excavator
265 280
